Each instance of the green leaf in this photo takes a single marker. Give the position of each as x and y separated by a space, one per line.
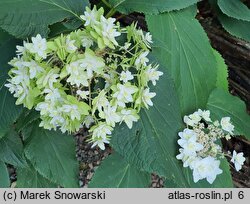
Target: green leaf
4 176
235 27
52 154
58 28
64 27
24 18
7 52
9 112
169 183
222 72
235 9
25 119
115 172
11 149
151 145
182 46
223 104
30 178
150 6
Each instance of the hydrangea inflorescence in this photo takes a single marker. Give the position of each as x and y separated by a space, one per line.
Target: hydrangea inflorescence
86 78
200 150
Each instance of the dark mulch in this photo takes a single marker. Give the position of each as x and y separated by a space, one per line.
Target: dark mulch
241 178
89 158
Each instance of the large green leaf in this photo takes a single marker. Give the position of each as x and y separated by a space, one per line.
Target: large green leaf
222 104
9 112
26 119
23 18
115 172
58 28
52 154
235 9
150 6
183 48
222 72
30 178
7 51
235 27
238 28
151 145
4 176
11 149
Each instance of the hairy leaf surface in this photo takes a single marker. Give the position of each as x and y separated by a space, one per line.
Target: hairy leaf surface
183 48
150 6
53 155
116 172
30 178
24 18
151 144
9 112
11 149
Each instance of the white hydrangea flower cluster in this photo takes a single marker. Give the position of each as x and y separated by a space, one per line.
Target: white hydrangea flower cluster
89 77
200 150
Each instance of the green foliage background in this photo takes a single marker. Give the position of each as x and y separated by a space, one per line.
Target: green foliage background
195 76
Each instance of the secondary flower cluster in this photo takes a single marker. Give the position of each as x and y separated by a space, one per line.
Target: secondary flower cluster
86 78
200 150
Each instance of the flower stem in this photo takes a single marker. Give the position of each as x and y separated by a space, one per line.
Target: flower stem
111 13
